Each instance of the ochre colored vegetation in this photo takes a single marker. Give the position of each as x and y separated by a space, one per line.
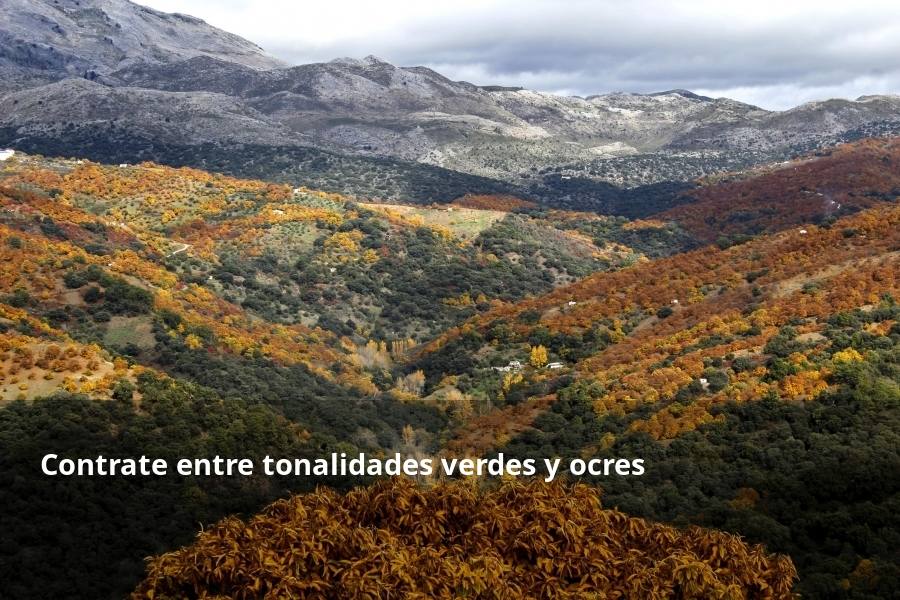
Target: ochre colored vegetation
666 319
36 266
31 367
394 539
318 305
479 435
492 202
850 177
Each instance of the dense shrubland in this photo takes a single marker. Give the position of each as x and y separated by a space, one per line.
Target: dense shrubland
180 311
67 537
815 479
818 189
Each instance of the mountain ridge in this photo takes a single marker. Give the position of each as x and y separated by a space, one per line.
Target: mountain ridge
369 108
90 38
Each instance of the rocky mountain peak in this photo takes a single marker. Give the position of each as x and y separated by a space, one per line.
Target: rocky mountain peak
52 39
149 67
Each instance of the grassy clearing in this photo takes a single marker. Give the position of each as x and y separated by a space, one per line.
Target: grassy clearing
464 223
130 330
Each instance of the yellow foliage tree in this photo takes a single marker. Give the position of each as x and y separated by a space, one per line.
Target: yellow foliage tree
193 342
538 357
847 355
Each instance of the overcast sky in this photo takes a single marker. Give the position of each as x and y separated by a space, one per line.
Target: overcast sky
774 54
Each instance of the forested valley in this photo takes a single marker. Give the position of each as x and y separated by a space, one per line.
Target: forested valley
743 339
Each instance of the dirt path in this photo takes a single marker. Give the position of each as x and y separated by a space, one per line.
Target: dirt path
180 250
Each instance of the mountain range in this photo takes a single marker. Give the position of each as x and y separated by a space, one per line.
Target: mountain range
81 73
207 252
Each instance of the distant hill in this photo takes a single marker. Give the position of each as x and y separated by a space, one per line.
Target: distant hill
818 188
72 75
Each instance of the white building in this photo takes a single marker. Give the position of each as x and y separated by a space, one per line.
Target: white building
555 365
7 153
514 365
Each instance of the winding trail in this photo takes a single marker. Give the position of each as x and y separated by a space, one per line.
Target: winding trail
180 250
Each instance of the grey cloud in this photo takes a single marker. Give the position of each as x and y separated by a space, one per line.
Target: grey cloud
776 51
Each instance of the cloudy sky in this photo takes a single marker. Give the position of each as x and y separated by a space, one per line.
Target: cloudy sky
775 54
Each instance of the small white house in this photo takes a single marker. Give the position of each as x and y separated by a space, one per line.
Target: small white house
803 232
278 211
555 365
675 301
123 165
514 365
704 383
7 153
572 303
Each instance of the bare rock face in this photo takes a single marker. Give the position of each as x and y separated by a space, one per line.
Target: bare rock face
62 106
71 64
52 39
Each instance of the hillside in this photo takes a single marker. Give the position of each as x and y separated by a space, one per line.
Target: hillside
518 541
761 376
210 255
302 257
176 312
816 189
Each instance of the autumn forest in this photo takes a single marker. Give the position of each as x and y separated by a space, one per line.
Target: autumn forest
743 340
